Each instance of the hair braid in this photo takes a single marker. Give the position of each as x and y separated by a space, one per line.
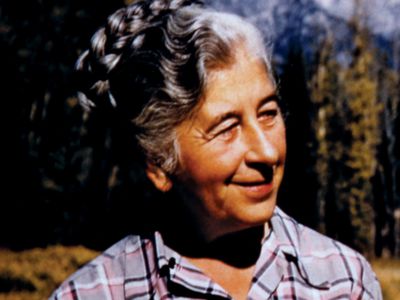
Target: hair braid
124 30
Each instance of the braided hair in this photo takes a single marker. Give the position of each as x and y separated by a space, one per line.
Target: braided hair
150 63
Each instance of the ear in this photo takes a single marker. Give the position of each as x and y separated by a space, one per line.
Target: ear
159 178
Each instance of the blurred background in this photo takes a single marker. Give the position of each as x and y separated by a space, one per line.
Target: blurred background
69 193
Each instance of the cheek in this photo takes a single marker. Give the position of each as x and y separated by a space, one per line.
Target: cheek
282 148
214 164
280 140
225 158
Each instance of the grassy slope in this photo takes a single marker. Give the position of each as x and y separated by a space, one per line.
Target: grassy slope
388 272
34 274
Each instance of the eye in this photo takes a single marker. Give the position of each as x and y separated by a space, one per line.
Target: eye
268 116
227 132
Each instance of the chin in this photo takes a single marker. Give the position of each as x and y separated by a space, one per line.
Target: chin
257 215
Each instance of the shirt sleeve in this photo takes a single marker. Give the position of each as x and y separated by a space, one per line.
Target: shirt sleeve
370 284
63 293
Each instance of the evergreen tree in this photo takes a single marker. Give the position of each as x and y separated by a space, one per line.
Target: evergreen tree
385 184
360 88
324 87
347 132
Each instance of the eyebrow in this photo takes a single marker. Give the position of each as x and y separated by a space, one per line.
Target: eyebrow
273 97
235 114
221 118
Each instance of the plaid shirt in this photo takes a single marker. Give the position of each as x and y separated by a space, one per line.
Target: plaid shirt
295 263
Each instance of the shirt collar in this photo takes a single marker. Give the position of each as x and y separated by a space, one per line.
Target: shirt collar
281 246
179 271
288 239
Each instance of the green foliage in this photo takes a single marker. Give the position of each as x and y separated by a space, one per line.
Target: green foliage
363 126
324 86
347 130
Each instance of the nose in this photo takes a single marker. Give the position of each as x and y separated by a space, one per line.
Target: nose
260 148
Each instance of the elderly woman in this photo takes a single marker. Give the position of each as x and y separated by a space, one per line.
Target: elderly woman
199 90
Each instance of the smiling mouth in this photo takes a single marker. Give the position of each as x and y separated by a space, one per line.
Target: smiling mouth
265 177
250 184
257 188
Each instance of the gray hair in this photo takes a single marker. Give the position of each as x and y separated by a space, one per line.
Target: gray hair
151 62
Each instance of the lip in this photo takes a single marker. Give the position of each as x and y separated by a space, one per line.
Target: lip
256 190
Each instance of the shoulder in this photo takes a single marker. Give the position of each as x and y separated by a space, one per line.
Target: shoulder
325 260
106 274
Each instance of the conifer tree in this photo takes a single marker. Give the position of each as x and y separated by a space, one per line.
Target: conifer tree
362 126
386 185
347 130
324 92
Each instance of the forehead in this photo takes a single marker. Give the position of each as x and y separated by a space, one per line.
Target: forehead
245 80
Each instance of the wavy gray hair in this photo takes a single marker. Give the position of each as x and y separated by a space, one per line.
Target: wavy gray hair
151 62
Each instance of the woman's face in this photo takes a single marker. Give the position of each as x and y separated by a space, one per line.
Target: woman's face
232 152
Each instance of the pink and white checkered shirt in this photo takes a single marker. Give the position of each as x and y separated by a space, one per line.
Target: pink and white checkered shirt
295 263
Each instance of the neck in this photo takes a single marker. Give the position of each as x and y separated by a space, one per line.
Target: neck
239 249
